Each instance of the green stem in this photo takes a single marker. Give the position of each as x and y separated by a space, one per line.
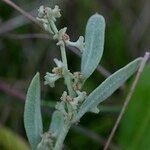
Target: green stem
53 26
68 82
66 76
61 137
64 59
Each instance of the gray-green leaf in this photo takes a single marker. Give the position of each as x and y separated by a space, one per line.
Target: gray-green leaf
94 45
110 85
57 123
32 113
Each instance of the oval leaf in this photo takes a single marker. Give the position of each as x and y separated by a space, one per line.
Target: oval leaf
57 123
32 113
110 85
94 45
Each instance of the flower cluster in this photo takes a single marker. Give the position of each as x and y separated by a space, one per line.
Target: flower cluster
79 44
77 81
69 104
47 17
46 142
57 73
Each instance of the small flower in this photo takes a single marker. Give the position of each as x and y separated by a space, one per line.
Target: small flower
59 36
51 78
49 13
61 107
47 17
52 14
81 96
46 141
58 63
77 83
78 44
66 98
45 24
59 69
71 104
41 12
56 12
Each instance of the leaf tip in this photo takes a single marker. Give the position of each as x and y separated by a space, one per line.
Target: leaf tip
99 17
37 75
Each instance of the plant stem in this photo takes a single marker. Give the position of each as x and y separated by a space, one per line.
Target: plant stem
66 127
64 60
24 13
66 76
61 137
68 82
53 26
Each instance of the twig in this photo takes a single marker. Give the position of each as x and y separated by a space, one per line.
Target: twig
128 98
14 23
24 13
27 36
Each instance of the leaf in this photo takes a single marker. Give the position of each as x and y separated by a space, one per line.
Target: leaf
110 85
94 45
32 113
134 132
57 122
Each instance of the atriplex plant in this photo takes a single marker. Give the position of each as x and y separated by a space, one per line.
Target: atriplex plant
74 102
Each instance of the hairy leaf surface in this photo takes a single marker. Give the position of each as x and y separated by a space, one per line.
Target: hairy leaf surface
110 85
57 122
32 113
94 45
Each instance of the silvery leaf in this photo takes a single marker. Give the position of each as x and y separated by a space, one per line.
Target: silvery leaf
94 45
108 87
32 113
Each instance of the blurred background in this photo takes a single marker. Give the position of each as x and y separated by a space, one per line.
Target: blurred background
25 49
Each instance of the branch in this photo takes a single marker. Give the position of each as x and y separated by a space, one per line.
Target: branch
24 13
128 98
26 36
14 23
